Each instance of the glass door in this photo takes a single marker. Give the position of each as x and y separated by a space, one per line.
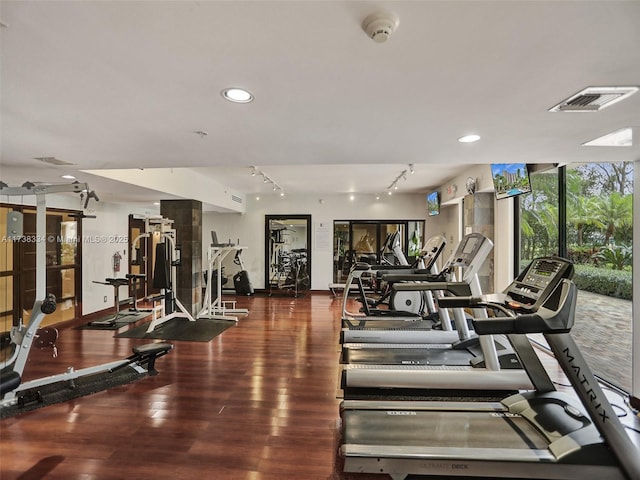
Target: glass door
18 267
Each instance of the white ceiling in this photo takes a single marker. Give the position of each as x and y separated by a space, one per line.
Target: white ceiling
116 84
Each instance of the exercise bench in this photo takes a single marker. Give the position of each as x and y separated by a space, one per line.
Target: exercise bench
145 354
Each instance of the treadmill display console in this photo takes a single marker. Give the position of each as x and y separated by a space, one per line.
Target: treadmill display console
431 251
538 279
469 248
469 245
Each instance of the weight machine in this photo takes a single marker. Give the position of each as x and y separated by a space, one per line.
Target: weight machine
12 390
216 308
167 259
289 270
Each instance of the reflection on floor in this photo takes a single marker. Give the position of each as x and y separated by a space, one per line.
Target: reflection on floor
258 402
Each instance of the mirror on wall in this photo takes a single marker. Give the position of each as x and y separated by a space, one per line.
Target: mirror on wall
363 241
287 254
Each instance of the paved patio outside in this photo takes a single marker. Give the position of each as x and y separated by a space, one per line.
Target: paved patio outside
603 332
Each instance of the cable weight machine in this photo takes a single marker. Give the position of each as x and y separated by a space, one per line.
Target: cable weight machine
24 337
217 308
166 261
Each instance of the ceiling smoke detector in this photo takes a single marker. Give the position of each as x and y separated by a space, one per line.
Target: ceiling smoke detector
380 26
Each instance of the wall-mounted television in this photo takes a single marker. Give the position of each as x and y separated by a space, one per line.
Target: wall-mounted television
433 204
510 179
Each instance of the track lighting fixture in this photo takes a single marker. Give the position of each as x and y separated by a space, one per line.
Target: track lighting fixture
394 184
265 179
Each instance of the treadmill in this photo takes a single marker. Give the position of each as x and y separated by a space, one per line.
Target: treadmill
492 365
464 349
426 264
360 269
469 257
414 301
541 434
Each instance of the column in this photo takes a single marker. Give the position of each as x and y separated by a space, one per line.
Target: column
478 218
187 220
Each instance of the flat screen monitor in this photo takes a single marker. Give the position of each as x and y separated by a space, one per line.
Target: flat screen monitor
510 179
433 204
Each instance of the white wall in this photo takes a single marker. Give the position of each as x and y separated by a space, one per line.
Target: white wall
503 247
102 237
448 224
249 227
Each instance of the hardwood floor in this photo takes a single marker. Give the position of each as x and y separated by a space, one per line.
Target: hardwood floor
258 402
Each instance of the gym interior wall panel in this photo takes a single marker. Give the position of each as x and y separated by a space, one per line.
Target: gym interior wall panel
249 227
103 236
479 218
503 243
447 224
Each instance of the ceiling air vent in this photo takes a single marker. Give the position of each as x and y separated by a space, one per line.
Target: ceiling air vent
53 161
594 99
236 198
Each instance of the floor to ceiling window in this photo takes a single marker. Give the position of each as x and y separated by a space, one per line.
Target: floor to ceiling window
539 218
597 237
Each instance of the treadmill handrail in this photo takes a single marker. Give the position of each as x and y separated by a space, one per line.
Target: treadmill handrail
456 288
418 275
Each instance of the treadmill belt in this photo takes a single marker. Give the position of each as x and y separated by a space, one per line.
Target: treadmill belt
386 324
407 356
443 429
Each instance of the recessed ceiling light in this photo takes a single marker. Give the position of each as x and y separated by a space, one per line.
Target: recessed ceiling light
237 95
157 204
469 138
619 138
68 177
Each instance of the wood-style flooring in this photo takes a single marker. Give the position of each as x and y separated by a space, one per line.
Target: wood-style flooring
258 402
